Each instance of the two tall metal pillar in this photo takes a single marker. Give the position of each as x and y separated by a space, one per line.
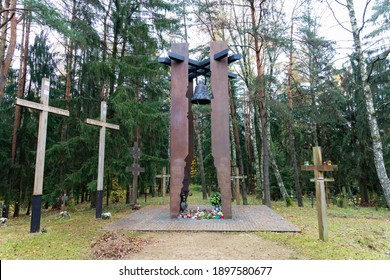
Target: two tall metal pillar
183 70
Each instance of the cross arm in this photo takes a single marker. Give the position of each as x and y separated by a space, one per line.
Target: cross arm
176 57
100 123
221 54
234 58
41 107
163 176
319 167
322 179
165 60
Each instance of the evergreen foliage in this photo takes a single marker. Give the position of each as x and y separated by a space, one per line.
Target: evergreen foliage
111 48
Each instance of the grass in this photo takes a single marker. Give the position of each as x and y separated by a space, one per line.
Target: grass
66 238
354 233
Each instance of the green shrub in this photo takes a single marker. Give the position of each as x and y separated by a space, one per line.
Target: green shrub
288 201
340 202
196 188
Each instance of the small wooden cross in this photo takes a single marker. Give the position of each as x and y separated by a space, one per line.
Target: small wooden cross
319 168
136 170
237 177
102 142
163 176
41 148
136 151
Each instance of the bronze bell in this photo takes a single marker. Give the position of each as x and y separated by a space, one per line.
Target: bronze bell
201 95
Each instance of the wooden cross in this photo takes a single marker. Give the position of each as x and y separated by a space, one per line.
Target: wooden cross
163 176
237 177
44 109
136 170
319 168
102 142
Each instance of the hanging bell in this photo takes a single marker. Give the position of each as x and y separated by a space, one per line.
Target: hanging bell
201 95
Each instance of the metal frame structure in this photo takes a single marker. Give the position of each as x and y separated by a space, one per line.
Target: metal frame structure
184 70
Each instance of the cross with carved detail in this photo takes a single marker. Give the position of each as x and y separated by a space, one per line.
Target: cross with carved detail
136 170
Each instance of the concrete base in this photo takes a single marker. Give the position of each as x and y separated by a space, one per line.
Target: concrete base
36 206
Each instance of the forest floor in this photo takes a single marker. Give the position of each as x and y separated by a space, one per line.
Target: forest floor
355 233
191 246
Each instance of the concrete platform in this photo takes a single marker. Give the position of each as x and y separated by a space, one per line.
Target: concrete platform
246 218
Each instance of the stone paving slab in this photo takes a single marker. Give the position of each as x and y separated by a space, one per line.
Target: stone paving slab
246 218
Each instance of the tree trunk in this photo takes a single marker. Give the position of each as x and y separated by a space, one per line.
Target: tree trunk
69 76
92 198
313 103
21 86
275 167
256 152
291 118
28 208
374 129
239 151
200 154
3 39
5 63
108 190
298 189
11 45
234 155
104 50
263 110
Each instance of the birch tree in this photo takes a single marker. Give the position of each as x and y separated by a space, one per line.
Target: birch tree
371 111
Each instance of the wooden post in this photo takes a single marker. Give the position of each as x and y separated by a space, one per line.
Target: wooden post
237 177
102 142
319 180
320 195
36 201
238 194
163 177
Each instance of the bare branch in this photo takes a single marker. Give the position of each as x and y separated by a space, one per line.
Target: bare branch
8 20
334 15
364 16
382 105
338 2
379 58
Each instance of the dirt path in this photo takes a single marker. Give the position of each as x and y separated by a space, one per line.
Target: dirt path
210 245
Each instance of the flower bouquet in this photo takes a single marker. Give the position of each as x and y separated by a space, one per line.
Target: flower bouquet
215 200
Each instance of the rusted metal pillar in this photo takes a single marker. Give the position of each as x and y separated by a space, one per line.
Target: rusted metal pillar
179 122
220 123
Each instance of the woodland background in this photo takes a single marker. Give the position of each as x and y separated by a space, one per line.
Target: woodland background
292 93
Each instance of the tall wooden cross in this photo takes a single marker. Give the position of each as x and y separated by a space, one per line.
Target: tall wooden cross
44 109
102 142
136 170
237 177
163 177
319 168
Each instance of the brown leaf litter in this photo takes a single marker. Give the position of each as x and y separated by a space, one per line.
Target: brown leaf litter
116 246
